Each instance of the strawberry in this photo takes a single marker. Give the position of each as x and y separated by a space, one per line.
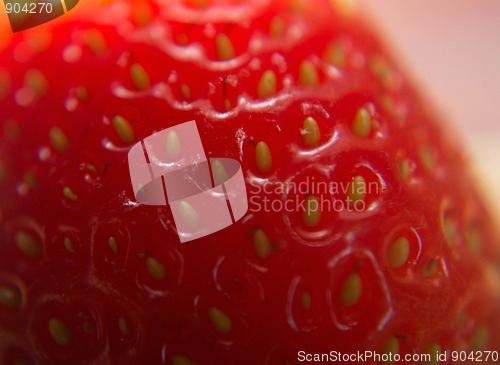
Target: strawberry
365 231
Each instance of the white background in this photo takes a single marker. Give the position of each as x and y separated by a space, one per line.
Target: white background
452 49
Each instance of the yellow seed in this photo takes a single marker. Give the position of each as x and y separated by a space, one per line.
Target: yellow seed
95 40
189 216
82 93
70 246
351 289
156 269
68 193
356 190
113 244
335 54
261 244
404 169
480 339
433 349
12 130
398 252
60 331
267 85
227 104
263 157
381 69
9 297
310 132
305 299
4 83
221 322
391 346
124 326
449 230
173 145
29 244
346 8
31 180
427 157
3 172
430 268
140 77
225 49
311 216
182 39
472 240
308 76
186 92
90 167
88 327
387 103
36 81
299 6
182 360
197 3
123 129
58 140
40 41
219 172
142 14
362 123
277 27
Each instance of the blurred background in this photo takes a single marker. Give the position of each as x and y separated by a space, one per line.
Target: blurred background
452 49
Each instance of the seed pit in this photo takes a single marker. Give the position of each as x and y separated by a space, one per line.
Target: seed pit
60 331
480 338
335 54
58 140
305 299
69 245
182 360
430 267
391 346
189 216
156 269
277 27
267 85
123 129
310 132
88 327
9 297
224 46
362 123
29 244
356 191
398 252
308 75
140 77
113 244
68 193
312 213
351 289
263 157
124 326
433 349
262 246
221 322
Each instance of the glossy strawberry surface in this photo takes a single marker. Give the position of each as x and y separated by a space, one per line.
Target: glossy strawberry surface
401 257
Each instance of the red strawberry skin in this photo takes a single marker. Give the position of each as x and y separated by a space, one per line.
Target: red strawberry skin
89 276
